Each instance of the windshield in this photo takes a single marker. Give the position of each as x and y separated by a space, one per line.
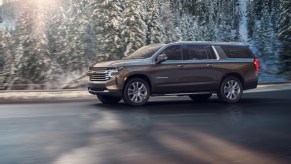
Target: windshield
145 52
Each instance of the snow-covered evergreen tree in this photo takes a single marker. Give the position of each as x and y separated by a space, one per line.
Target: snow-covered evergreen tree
206 21
76 23
154 33
32 56
58 37
6 57
285 35
225 20
262 26
134 27
107 25
188 27
171 30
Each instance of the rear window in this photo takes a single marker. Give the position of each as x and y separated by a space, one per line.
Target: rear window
237 51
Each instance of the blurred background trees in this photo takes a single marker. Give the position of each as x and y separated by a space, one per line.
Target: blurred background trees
53 42
284 34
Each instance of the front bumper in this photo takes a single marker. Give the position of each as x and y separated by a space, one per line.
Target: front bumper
110 87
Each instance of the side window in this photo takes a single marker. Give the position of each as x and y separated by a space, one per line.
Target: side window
210 52
220 52
195 52
173 52
237 51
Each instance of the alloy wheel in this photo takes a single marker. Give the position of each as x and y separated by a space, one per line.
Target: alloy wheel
137 92
232 90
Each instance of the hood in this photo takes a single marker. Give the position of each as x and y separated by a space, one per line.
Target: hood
120 63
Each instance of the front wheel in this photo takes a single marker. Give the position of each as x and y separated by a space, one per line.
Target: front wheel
108 99
136 92
230 90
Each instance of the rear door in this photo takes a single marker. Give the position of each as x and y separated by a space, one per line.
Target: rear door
199 62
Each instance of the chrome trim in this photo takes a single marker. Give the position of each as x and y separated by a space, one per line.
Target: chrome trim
210 43
216 53
97 82
99 75
210 61
162 77
182 94
95 92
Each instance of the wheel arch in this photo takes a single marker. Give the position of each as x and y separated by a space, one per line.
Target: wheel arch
141 76
237 75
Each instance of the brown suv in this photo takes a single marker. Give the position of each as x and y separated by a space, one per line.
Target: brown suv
194 69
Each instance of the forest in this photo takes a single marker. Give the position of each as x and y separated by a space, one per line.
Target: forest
50 43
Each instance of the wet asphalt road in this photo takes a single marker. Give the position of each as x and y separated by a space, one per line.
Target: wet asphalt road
166 130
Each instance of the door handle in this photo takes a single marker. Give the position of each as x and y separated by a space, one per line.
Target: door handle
180 65
209 65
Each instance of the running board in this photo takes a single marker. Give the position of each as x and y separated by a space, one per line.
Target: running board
182 94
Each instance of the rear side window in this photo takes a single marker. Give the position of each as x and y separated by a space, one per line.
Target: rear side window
173 52
237 51
196 52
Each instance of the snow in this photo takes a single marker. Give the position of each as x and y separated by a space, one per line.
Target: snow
243 24
85 31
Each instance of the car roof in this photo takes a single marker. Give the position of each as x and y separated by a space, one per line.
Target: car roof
208 43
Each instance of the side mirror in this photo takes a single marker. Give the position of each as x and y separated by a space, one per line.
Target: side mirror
161 58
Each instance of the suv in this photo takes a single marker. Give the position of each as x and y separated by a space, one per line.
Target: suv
194 69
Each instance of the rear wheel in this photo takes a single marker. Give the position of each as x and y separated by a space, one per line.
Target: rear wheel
136 92
108 99
200 97
230 90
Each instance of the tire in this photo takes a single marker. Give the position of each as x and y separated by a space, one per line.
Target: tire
200 97
230 90
136 92
109 99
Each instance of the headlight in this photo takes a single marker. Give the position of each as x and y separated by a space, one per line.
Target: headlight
119 68
116 69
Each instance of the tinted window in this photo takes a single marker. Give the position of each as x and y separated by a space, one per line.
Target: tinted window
237 51
220 52
145 52
211 54
195 52
173 52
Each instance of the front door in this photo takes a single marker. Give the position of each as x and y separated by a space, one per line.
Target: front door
168 75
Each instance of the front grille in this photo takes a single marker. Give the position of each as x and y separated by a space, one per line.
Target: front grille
104 76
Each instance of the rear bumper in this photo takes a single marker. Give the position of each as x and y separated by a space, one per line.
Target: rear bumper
251 84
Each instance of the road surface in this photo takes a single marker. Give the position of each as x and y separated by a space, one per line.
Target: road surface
166 130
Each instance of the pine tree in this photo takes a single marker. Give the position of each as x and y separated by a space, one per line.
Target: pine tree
76 23
262 26
154 32
188 28
32 56
68 36
134 27
6 57
107 25
285 21
57 39
250 19
206 21
170 29
284 34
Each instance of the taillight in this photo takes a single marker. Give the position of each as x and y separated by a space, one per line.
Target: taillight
257 64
